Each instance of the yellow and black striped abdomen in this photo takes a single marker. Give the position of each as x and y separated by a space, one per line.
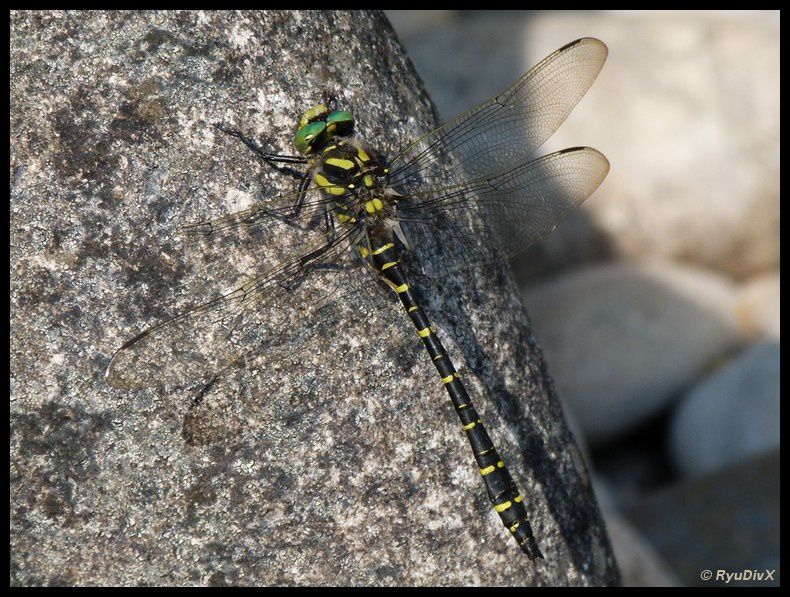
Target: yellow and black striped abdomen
501 488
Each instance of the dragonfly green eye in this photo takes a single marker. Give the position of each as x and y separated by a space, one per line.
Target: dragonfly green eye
313 114
340 122
307 135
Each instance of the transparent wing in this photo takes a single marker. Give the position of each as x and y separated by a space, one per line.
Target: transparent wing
251 319
507 212
258 219
241 398
503 132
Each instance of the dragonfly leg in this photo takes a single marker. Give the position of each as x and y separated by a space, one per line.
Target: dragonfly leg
273 159
289 218
331 267
329 221
331 232
299 203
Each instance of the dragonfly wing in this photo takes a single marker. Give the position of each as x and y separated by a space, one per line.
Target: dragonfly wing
249 319
255 223
499 216
503 132
240 398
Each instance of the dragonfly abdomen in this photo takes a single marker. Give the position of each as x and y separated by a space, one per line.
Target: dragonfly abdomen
501 487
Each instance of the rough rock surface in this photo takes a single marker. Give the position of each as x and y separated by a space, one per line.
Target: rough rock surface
356 471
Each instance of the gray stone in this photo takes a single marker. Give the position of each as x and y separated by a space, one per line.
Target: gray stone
758 306
730 416
343 462
622 340
726 521
640 564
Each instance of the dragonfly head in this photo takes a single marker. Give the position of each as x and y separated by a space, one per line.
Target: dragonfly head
318 125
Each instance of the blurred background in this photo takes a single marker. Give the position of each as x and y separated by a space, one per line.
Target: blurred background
656 303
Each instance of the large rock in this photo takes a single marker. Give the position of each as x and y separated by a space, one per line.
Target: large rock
622 340
344 463
731 416
640 564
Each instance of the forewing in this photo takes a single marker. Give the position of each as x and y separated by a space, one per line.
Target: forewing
244 396
503 132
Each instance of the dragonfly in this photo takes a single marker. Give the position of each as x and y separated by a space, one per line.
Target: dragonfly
466 193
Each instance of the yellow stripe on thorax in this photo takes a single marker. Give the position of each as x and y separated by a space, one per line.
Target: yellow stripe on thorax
383 248
329 187
340 163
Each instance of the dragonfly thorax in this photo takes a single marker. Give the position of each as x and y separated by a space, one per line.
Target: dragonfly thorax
341 165
348 173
